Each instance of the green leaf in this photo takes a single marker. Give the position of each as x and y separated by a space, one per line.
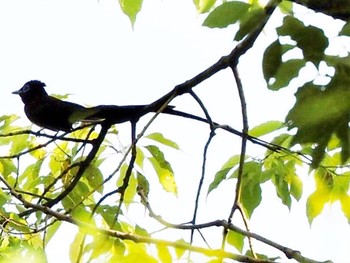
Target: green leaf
250 188
158 137
108 213
345 30
19 143
162 168
272 60
7 167
222 173
315 204
322 195
282 188
142 184
250 21
131 8
76 246
266 128
51 230
140 157
318 113
345 206
100 245
226 14
236 239
296 187
204 6
286 72
94 177
75 197
165 176
30 174
311 40
130 191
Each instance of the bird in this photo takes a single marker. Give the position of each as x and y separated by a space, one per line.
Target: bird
58 115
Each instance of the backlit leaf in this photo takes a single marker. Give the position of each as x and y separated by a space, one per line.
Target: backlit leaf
235 239
315 204
164 254
158 137
131 8
204 6
226 14
130 191
265 128
249 21
222 173
286 72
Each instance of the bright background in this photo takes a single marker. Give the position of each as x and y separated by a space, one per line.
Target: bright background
87 48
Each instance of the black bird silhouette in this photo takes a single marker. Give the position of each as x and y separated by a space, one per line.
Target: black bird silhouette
58 115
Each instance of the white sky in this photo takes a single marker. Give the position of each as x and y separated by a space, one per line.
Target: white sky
87 48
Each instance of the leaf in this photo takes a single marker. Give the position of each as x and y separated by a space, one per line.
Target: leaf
236 239
75 247
296 187
51 230
164 254
100 245
30 174
162 168
204 6
165 176
272 60
251 197
320 112
226 14
250 189
249 21
316 201
179 251
315 204
142 184
311 40
222 173
265 128
130 191
158 137
131 8
286 72
140 157
345 30
94 177
19 143
345 205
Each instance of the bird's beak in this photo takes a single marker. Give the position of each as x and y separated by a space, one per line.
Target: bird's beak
17 92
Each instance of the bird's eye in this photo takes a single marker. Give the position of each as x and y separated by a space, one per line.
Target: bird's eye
25 88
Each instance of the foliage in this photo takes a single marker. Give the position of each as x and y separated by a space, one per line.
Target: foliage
48 179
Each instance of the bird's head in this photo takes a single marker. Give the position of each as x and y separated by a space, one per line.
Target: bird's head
32 90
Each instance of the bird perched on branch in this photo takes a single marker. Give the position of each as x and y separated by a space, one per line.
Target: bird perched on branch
58 115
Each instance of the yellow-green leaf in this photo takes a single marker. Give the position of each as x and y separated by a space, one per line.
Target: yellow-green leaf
165 176
204 6
345 205
265 128
235 239
158 137
315 203
75 247
164 254
131 8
